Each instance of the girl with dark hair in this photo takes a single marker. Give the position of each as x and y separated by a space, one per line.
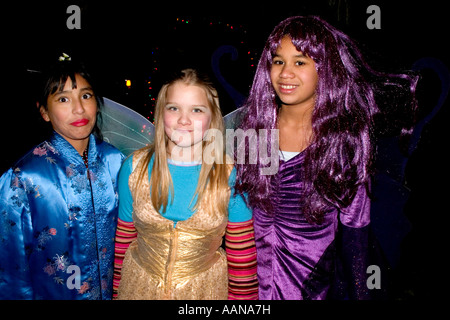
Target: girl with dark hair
311 219
59 203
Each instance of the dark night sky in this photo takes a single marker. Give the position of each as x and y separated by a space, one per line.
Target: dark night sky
117 40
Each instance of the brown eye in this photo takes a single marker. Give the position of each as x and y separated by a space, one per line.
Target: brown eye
87 96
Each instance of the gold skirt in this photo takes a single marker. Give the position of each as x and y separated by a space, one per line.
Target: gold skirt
137 284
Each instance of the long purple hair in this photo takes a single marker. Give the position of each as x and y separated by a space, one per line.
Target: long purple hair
349 97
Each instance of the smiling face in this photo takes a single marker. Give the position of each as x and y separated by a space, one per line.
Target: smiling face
293 75
186 117
72 112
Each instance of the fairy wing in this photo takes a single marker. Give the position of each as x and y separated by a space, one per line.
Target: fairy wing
233 119
124 128
128 131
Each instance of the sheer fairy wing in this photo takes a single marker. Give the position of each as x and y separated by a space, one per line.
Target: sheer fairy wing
124 128
128 131
233 119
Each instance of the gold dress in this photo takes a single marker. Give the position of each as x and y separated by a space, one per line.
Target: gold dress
178 263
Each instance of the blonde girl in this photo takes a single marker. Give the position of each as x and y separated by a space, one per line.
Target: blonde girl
175 208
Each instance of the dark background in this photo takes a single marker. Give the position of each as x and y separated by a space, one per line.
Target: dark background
143 41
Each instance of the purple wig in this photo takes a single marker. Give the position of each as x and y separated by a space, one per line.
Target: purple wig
349 96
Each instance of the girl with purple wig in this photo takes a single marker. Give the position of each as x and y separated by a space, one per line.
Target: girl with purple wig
312 218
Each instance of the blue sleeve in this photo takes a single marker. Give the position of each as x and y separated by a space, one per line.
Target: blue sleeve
237 208
125 198
16 233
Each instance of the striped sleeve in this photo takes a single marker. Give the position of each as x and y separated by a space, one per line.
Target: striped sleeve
126 233
241 257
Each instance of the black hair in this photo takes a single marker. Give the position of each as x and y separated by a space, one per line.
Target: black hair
55 77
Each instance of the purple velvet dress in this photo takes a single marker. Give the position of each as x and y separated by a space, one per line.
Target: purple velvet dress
298 260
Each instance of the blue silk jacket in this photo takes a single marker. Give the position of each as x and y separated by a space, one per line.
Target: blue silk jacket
57 222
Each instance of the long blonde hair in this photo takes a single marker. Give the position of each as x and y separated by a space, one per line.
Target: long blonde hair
213 174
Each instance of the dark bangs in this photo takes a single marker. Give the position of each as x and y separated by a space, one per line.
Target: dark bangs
56 77
56 84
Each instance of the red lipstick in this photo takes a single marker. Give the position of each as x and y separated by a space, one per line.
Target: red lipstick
80 123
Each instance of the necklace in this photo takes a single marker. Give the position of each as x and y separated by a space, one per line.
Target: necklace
85 157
